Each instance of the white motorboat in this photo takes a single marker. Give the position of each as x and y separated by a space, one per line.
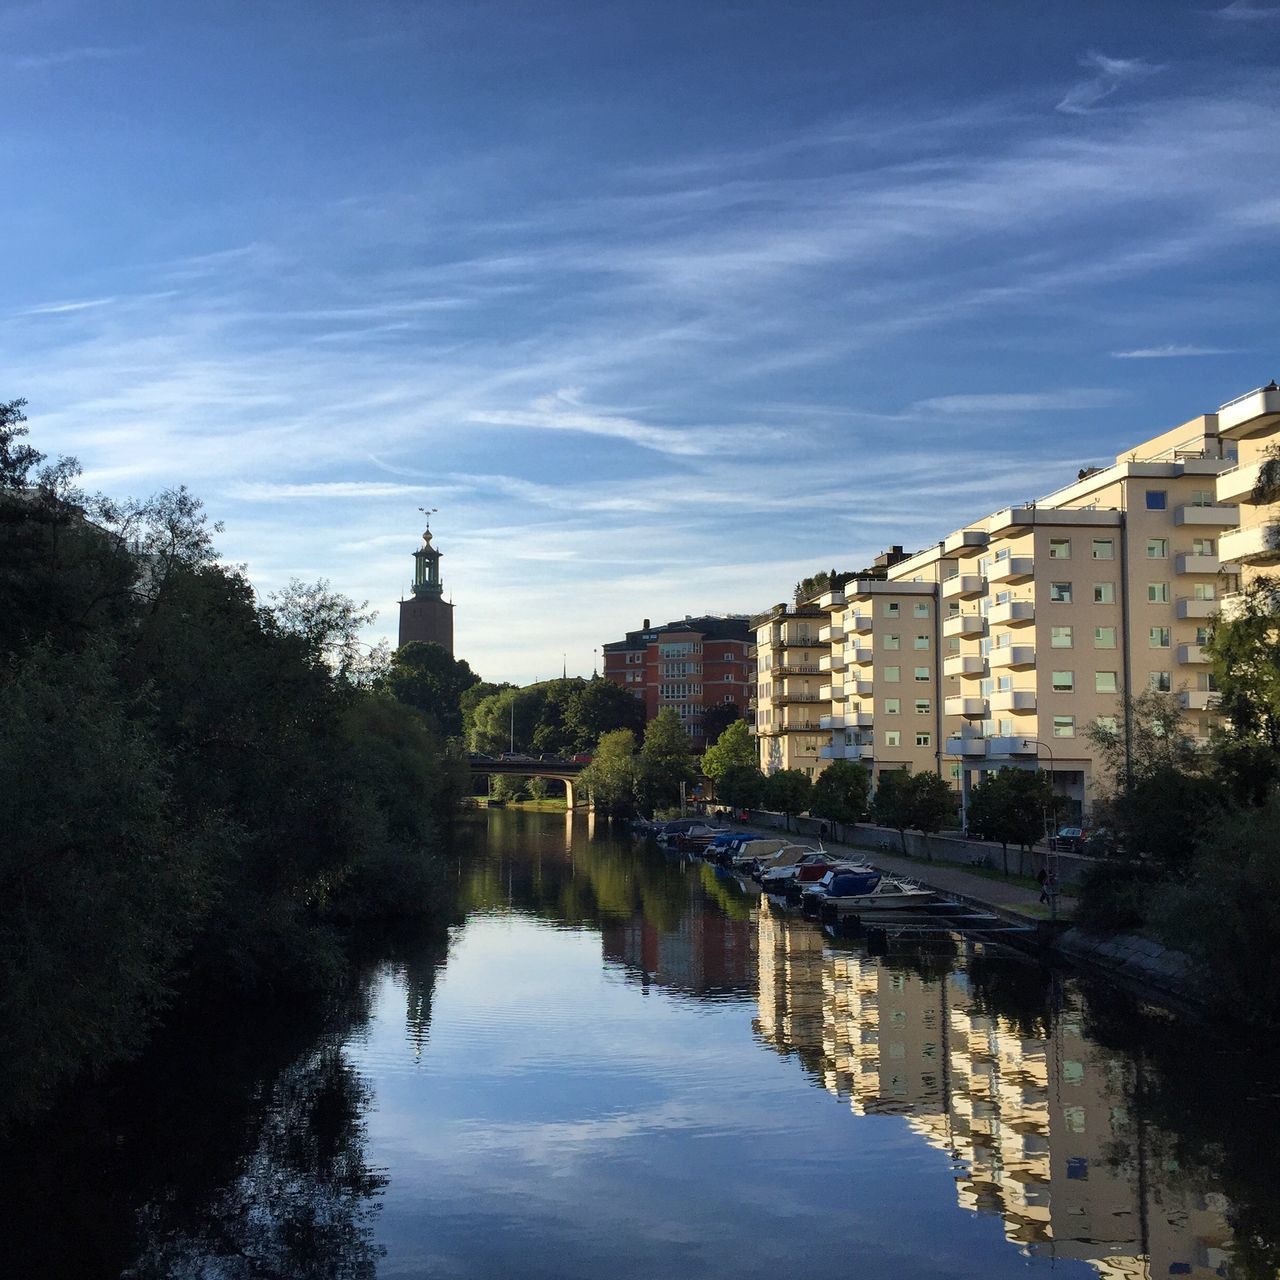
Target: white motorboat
888 895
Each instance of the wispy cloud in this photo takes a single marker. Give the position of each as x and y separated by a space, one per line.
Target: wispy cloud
64 308
1171 351
65 57
1243 11
1023 401
1112 73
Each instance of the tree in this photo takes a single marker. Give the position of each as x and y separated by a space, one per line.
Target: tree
1245 649
427 677
741 786
734 746
612 776
932 803
840 793
787 792
718 717
472 697
665 762
891 806
598 707
327 623
16 459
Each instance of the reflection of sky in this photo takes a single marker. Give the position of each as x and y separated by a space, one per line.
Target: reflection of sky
562 1122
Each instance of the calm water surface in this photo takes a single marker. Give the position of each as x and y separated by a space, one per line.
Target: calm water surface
616 1065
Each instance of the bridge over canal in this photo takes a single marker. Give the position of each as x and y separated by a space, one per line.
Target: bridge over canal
565 771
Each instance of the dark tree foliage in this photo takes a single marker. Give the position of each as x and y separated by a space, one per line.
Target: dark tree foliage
840 793
716 719
891 806
427 677
787 792
741 786
191 782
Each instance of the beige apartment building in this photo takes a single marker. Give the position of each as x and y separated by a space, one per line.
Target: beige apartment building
1000 645
793 691
1252 422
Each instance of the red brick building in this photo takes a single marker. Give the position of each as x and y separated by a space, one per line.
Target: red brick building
692 665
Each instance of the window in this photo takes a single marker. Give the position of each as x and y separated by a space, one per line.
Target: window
1202 635
1157 548
920 610
1104 549
1159 680
923 706
1203 591
892 706
1157 500
1060 592
920 642
1064 726
1059 548
1063 681
1006 728
1203 498
1159 637
892 609
924 739
922 674
1104 637
893 737
1157 593
1004 684
893 642
1104 682
1060 637
1104 593
893 674
1202 546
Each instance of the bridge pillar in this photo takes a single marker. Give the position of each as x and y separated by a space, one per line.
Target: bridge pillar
569 795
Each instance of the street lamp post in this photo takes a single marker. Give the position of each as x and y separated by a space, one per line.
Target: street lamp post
1051 856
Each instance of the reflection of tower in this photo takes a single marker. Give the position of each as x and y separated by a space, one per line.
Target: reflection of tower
426 615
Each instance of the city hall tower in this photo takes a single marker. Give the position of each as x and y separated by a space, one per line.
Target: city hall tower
426 615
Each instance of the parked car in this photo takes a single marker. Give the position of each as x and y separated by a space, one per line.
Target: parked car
582 757
1069 839
516 757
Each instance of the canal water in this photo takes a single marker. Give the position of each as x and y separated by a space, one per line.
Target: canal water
614 1063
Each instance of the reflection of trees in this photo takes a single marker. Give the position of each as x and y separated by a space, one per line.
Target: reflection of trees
234 1147
1017 990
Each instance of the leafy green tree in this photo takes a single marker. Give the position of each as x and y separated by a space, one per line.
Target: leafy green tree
1013 806
471 699
718 717
508 788
741 786
665 762
932 804
327 623
17 460
598 707
612 777
537 788
427 677
787 792
891 806
734 746
840 793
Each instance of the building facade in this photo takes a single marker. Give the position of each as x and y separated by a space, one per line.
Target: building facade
793 687
1000 645
1252 423
693 666
427 616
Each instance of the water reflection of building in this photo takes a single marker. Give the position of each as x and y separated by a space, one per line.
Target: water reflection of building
703 953
1036 1127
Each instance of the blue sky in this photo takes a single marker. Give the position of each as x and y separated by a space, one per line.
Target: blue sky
662 304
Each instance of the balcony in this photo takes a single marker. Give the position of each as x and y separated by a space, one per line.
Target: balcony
837 751
832 693
1186 607
1013 613
1197 700
833 599
862 688
969 708
1185 562
858 622
965 542
964 586
964 664
861 657
1012 569
1214 517
1253 411
1012 657
804 696
796 669
1238 484
797 640
833 661
831 633
837 720
964 624
1256 544
1021 700
1005 746
1193 655
966 746
860 718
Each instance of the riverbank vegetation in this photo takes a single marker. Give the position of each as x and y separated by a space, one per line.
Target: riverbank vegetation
201 788
1192 843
